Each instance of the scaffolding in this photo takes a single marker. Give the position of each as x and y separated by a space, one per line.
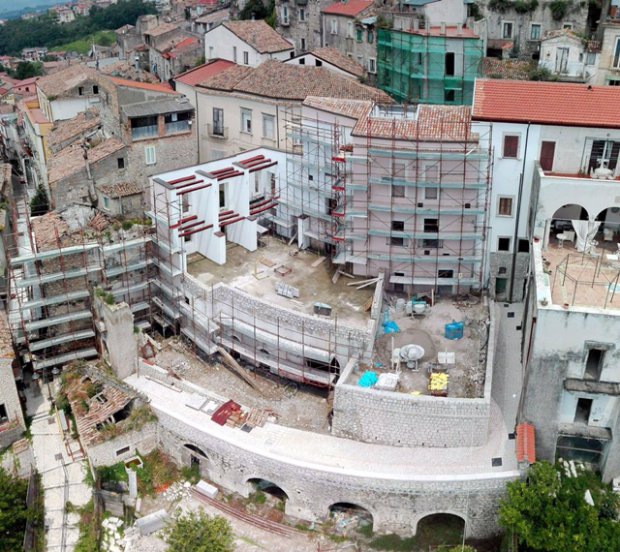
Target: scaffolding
53 280
422 66
381 196
257 334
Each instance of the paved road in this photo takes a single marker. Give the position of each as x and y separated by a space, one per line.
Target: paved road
62 478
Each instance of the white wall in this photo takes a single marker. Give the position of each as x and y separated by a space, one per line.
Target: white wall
310 60
451 12
221 43
577 57
67 108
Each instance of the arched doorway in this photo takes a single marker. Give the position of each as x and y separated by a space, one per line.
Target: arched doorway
348 517
197 458
608 235
561 229
267 487
440 528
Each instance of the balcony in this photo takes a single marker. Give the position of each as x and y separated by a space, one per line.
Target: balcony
144 132
217 131
177 127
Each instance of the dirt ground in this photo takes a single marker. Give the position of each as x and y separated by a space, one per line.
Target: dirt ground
302 407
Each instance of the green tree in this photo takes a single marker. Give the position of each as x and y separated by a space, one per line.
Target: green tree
198 532
13 511
39 204
549 513
27 69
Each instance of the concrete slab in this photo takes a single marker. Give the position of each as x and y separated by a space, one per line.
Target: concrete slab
313 281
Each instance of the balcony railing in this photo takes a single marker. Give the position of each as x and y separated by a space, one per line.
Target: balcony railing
217 131
140 133
178 127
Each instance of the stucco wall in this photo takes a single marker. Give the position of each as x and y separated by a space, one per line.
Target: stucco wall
143 441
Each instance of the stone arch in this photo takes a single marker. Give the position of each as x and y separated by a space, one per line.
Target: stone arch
453 525
197 450
561 219
194 457
353 510
267 486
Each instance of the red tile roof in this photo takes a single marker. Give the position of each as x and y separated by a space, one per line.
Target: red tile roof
526 443
547 103
259 35
161 87
352 8
450 32
203 72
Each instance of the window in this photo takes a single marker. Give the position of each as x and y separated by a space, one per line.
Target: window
547 153
591 58
269 126
150 155
81 90
372 65
398 191
370 36
350 29
218 121
449 96
507 29
246 120
235 54
523 246
285 20
582 412
431 244
449 63
430 193
568 26
445 274
3 413
594 364
504 206
503 244
302 44
211 52
511 147
318 63
604 153
431 225
398 225
359 34
302 61
95 89
120 162
302 14
333 25
246 58
616 61
535 31
122 451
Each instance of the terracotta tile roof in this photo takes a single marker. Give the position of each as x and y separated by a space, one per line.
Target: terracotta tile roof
163 29
259 35
186 45
71 160
274 79
124 70
352 8
65 130
551 103
219 15
434 123
356 109
122 189
337 58
203 72
124 29
37 116
526 443
47 227
155 87
65 80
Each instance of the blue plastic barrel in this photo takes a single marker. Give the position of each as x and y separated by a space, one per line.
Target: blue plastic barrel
454 330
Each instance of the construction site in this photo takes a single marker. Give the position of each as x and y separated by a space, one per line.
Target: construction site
417 63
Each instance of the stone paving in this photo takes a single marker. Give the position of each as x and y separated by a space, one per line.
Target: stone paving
62 478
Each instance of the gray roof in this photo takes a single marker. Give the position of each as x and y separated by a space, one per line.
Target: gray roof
157 107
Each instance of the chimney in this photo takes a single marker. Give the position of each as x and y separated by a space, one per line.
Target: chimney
443 28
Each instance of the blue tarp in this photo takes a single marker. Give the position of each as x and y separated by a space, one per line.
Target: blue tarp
368 379
391 327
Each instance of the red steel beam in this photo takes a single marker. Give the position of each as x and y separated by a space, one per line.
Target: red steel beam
181 179
188 190
230 175
193 183
251 159
232 221
195 230
183 221
264 167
